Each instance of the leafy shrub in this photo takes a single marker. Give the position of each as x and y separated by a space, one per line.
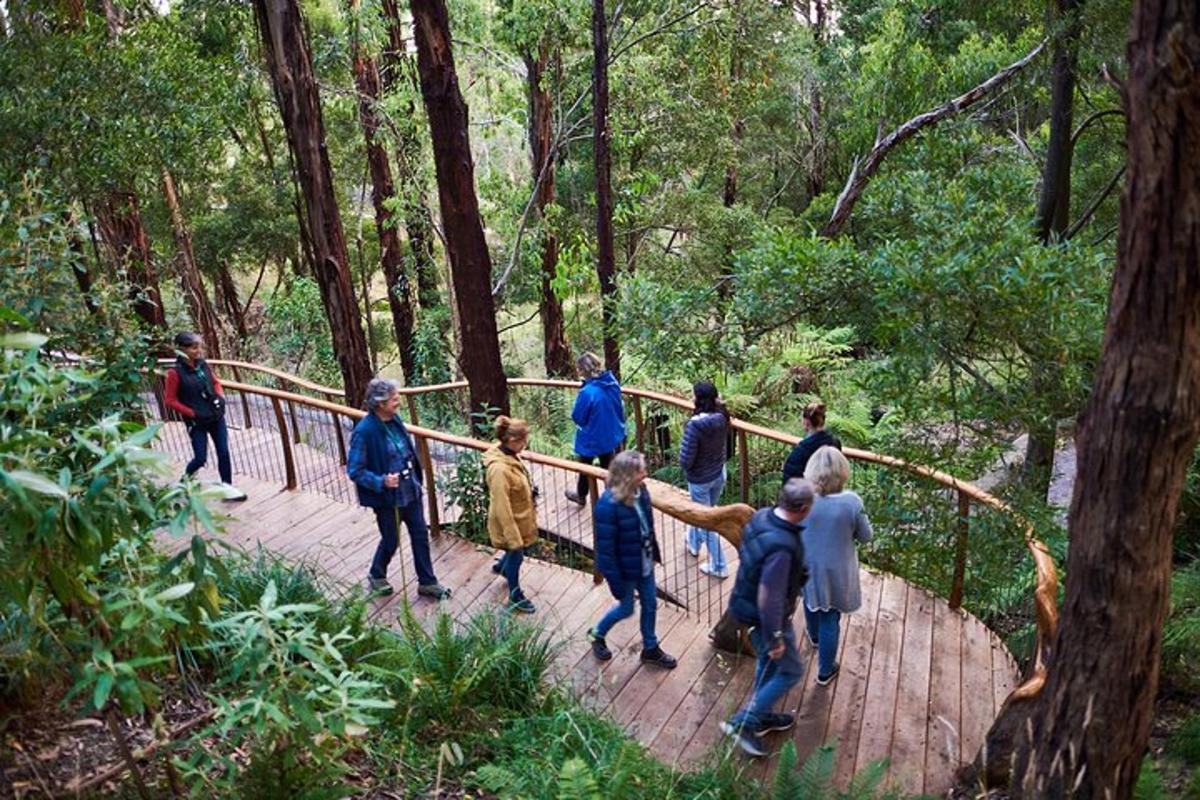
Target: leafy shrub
1181 634
465 488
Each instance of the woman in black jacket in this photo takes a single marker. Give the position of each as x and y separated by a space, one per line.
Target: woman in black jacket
816 438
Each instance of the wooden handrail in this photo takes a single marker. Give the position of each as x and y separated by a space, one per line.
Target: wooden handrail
725 521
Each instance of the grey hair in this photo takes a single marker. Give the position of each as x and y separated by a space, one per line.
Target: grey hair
622 473
378 391
828 470
795 495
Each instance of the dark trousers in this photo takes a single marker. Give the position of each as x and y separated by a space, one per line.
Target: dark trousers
510 568
199 433
389 539
605 460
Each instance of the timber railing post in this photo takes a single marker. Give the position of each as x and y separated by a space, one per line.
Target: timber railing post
245 403
960 549
289 458
744 464
435 523
594 495
638 425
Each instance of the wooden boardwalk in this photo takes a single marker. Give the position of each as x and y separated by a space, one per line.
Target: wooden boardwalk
920 683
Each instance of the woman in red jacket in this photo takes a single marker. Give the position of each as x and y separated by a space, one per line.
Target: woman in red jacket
195 393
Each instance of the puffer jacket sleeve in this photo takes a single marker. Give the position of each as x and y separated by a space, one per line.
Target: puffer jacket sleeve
608 558
687 448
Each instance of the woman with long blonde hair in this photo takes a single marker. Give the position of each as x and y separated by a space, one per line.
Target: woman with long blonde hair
626 551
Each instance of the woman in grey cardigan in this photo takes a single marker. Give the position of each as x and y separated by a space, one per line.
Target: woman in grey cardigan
837 521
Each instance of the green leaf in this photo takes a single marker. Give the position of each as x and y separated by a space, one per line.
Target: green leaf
36 483
22 341
103 688
175 592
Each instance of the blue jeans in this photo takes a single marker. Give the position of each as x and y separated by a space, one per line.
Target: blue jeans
648 594
708 494
824 627
772 679
199 433
510 568
389 539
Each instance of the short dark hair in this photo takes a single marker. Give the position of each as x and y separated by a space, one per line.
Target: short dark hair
187 339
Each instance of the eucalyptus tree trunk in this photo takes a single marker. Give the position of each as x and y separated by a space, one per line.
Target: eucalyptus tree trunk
738 128
1053 217
290 64
366 80
606 268
228 292
128 245
470 262
189 274
417 220
555 352
1085 734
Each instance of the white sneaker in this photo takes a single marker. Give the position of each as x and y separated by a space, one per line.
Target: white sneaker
232 493
707 569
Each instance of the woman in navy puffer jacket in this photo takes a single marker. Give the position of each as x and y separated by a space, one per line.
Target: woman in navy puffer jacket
626 552
702 456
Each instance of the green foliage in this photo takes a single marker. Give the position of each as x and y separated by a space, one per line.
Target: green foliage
576 782
1181 634
300 332
465 488
814 780
1184 743
1150 784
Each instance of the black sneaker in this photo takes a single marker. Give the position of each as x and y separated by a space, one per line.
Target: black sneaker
497 566
517 601
575 498
745 738
825 678
599 647
775 722
658 658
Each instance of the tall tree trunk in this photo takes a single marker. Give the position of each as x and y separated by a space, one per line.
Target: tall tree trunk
417 220
470 261
1053 214
606 267
366 79
290 64
233 306
737 129
189 274
1086 733
555 352
128 246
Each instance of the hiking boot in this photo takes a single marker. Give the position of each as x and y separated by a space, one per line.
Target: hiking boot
708 569
658 658
575 498
434 590
599 646
517 601
774 722
745 738
379 586
825 678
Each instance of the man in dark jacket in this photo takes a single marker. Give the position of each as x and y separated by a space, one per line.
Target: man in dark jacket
770 576
387 477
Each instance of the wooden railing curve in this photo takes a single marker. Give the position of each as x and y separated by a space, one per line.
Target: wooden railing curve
726 520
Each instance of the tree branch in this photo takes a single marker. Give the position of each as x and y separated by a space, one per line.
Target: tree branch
621 47
1087 215
865 168
1083 126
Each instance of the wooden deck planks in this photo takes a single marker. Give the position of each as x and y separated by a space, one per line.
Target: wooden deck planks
909 664
942 737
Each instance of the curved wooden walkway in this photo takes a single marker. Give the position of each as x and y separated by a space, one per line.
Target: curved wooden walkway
920 683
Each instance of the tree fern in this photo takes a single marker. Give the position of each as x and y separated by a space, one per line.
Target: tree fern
815 778
787 781
575 781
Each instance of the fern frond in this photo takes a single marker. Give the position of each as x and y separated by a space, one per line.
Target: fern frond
575 781
816 776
